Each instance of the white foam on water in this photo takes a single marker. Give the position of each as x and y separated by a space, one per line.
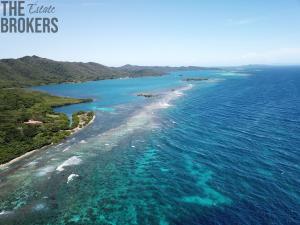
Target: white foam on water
45 171
142 119
215 80
4 213
71 177
165 102
74 160
163 105
39 207
67 149
33 163
233 73
83 142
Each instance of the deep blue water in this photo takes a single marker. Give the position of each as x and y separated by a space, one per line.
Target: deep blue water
224 152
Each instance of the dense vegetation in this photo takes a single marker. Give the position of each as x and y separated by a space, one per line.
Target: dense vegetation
81 119
17 107
30 71
27 120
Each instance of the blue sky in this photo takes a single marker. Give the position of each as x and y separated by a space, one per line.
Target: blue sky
167 32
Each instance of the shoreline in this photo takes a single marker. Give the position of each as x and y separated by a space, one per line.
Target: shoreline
27 154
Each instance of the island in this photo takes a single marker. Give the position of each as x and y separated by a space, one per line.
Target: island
147 95
28 121
196 79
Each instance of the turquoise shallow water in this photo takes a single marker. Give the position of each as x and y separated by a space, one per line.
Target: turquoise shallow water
219 152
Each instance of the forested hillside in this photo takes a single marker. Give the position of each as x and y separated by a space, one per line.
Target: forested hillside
33 70
17 107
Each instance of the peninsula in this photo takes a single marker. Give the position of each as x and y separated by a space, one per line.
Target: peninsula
27 119
28 122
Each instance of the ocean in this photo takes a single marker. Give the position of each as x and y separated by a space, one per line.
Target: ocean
221 151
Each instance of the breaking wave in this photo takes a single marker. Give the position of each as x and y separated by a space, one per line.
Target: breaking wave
75 160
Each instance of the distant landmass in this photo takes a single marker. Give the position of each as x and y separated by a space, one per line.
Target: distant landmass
33 70
27 118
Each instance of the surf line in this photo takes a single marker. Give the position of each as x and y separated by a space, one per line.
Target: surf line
140 120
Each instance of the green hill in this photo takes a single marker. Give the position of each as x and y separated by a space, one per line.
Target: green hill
29 71
20 106
33 70
17 106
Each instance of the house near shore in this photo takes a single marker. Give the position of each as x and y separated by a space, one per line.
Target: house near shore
33 122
